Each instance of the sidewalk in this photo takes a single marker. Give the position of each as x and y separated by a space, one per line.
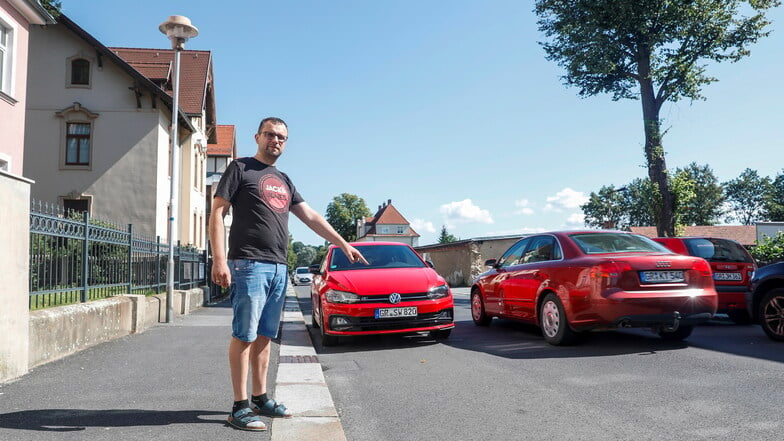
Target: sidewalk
169 383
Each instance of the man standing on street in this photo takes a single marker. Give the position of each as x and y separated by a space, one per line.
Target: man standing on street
261 197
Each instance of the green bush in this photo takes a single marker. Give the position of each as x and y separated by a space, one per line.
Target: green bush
770 250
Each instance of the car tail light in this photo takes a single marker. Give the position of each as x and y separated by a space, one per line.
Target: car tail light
702 266
610 272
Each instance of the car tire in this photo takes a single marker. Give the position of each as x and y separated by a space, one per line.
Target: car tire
553 323
326 339
314 322
681 333
478 309
440 334
739 316
771 314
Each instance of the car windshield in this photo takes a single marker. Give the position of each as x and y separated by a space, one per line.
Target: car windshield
717 250
600 243
302 270
378 256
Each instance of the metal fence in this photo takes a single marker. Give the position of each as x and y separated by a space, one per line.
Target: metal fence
74 258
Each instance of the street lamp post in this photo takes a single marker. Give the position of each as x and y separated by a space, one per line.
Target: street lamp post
179 29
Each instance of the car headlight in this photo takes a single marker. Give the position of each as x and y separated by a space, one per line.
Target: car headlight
334 296
438 292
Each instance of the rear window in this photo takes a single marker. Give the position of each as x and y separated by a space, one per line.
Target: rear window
717 250
601 243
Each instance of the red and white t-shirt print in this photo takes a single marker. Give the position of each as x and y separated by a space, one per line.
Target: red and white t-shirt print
275 193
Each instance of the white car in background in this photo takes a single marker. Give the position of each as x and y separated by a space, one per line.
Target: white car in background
302 276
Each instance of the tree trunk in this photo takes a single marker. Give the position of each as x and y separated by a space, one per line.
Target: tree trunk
654 152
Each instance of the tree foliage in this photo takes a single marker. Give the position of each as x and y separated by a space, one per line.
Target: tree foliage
770 250
746 197
343 212
654 51
774 201
53 7
291 258
705 205
445 237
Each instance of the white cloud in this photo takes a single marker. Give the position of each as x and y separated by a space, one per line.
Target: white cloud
523 207
575 220
464 212
423 226
565 199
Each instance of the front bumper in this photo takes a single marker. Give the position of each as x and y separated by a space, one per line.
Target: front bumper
345 324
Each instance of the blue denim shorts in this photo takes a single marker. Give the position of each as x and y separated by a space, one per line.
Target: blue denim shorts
258 293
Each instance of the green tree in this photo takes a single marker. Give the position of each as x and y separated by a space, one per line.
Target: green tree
705 207
305 254
774 202
343 212
638 202
770 250
654 51
53 7
291 258
445 237
606 209
746 197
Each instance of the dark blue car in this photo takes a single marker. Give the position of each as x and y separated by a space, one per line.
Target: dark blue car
766 300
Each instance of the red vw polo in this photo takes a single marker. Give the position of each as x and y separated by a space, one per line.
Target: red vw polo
396 292
570 282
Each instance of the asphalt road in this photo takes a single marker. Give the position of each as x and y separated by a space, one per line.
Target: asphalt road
503 382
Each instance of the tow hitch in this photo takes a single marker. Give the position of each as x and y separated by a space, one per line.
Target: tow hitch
676 321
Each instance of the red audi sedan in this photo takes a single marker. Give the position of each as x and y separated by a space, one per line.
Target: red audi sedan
396 292
576 281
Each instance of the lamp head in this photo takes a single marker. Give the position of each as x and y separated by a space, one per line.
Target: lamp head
178 28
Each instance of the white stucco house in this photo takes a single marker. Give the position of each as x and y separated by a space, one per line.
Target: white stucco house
387 225
97 130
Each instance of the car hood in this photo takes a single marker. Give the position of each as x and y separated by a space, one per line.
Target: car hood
385 280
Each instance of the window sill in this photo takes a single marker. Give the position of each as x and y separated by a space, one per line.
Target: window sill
7 98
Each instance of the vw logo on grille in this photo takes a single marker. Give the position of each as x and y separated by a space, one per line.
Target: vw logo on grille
663 264
394 298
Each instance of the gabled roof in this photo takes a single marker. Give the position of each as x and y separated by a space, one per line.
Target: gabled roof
387 214
156 64
227 142
746 235
141 80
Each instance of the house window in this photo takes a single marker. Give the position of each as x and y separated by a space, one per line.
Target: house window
80 72
6 57
77 144
401 229
76 205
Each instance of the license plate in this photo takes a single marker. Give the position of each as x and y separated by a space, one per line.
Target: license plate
410 311
727 276
661 276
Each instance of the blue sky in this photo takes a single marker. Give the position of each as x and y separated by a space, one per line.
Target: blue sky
449 109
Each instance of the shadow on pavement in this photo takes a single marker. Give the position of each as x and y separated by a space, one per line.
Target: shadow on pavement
69 420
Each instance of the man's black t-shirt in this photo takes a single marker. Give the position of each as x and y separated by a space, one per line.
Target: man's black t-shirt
261 197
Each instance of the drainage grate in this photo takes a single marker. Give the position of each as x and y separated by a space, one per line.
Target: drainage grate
298 359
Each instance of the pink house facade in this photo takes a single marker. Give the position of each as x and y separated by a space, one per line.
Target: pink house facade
16 16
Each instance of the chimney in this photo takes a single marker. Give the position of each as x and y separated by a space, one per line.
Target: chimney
389 201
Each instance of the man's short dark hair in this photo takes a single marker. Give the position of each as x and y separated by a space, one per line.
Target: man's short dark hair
273 120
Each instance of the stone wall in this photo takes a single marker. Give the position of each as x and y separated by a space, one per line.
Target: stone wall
14 261
55 333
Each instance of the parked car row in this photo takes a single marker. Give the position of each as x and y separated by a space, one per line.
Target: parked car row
567 283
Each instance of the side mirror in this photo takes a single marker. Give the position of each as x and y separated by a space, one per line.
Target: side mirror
315 269
430 264
491 262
